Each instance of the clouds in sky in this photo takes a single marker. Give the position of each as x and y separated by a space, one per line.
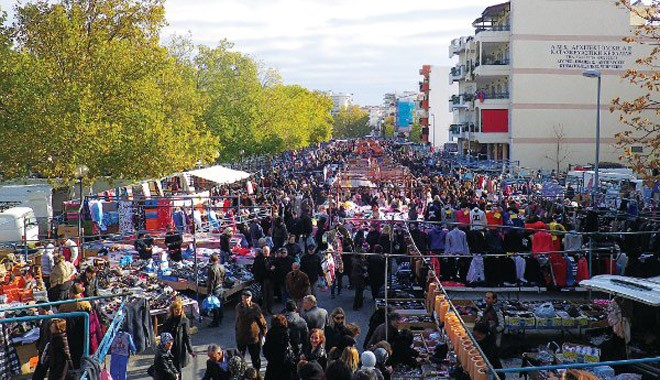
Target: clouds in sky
365 47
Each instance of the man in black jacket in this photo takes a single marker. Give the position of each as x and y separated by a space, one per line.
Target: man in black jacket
263 270
216 276
310 264
283 263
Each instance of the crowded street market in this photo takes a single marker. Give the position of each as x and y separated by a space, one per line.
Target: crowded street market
473 271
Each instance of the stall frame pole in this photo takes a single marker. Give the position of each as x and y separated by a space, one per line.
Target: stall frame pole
74 314
577 365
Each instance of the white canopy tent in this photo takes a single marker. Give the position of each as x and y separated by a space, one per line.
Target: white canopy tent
219 174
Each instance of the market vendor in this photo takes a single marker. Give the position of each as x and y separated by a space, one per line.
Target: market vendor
487 343
144 245
61 279
173 241
69 249
492 316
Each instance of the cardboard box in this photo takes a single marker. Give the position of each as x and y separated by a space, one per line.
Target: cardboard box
68 231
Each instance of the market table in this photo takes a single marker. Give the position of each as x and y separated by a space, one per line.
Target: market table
193 309
227 292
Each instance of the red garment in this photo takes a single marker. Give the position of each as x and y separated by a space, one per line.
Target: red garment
95 332
582 270
539 225
463 217
494 219
435 264
609 266
559 269
164 214
541 242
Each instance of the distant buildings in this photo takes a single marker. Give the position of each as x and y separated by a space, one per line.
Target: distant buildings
339 100
521 91
433 115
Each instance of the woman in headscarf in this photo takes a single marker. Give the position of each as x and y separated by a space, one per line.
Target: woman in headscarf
164 368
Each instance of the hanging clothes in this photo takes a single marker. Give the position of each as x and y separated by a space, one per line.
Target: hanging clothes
559 269
520 268
164 213
139 217
9 361
571 271
96 211
121 349
582 270
541 242
476 272
126 218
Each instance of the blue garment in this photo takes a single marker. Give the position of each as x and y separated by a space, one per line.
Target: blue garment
437 238
456 243
179 220
571 271
120 349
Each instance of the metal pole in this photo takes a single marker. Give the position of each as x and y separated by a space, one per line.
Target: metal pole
580 365
55 303
194 236
80 214
74 314
596 187
434 132
25 240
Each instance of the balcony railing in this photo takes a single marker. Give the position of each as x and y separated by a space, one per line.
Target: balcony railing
493 62
493 28
456 73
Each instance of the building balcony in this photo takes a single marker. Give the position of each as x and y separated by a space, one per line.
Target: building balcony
460 102
424 104
423 86
494 33
424 121
483 99
425 70
489 68
457 73
490 138
458 45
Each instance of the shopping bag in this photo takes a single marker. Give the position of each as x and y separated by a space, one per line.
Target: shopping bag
211 303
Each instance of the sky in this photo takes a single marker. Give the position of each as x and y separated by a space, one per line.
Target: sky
363 47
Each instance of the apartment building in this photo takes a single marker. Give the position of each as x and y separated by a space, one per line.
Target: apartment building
522 94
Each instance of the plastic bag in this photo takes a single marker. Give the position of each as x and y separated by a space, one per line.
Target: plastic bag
545 310
211 303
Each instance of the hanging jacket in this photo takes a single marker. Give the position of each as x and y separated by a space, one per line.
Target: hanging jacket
476 271
541 242
582 270
437 238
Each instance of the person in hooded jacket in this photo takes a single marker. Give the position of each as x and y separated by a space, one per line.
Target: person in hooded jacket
164 368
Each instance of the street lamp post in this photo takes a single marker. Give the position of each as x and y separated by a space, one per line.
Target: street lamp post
593 73
433 117
81 172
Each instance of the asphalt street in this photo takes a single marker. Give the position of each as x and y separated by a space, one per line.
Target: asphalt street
225 336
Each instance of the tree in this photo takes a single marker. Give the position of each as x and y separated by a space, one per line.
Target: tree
560 153
351 122
388 127
88 83
642 114
415 134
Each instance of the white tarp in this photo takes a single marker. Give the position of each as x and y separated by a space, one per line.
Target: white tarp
219 174
644 290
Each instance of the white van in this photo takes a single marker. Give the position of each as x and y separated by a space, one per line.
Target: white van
18 224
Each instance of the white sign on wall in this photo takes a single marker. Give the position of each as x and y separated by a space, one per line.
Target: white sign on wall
592 56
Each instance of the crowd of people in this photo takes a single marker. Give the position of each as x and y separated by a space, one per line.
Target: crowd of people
310 240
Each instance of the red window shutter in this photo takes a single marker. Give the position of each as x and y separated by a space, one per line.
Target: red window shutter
494 121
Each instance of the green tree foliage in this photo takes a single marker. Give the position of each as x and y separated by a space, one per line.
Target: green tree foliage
351 122
415 134
388 127
88 83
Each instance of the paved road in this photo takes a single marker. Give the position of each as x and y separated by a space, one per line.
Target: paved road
224 335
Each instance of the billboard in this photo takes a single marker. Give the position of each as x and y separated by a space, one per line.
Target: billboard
405 110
